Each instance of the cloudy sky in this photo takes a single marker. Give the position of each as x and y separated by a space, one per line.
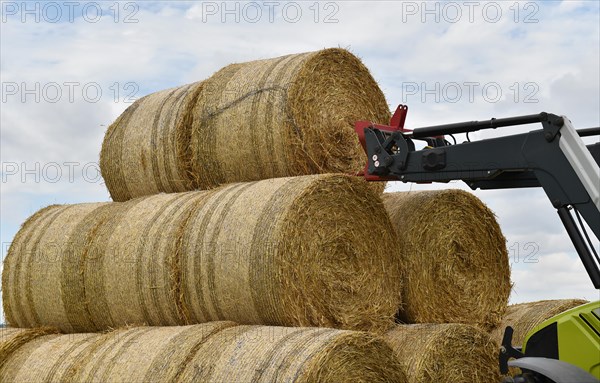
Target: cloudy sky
68 69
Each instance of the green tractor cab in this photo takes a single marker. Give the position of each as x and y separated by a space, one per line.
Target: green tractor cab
564 348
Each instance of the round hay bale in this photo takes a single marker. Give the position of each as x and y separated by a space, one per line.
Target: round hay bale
147 149
212 352
269 354
524 317
454 258
301 251
286 116
32 277
451 352
287 251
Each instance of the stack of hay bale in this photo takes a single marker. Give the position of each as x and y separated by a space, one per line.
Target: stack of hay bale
238 248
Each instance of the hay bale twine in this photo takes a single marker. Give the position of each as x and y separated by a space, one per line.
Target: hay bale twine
147 149
449 352
211 352
287 251
286 116
454 258
524 317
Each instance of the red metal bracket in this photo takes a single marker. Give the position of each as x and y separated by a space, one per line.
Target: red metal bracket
399 117
396 123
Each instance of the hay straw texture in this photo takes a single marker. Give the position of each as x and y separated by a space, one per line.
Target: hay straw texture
147 149
286 116
212 352
287 251
433 353
11 339
32 278
524 317
454 258
279 354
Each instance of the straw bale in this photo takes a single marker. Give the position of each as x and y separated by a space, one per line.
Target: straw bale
280 354
289 115
287 251
292 251
524 317
31 277
285 116
147 149
454 258
449 352
211 352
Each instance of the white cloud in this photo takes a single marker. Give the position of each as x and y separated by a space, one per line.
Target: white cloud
553 276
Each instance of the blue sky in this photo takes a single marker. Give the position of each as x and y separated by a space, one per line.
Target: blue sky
448 61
